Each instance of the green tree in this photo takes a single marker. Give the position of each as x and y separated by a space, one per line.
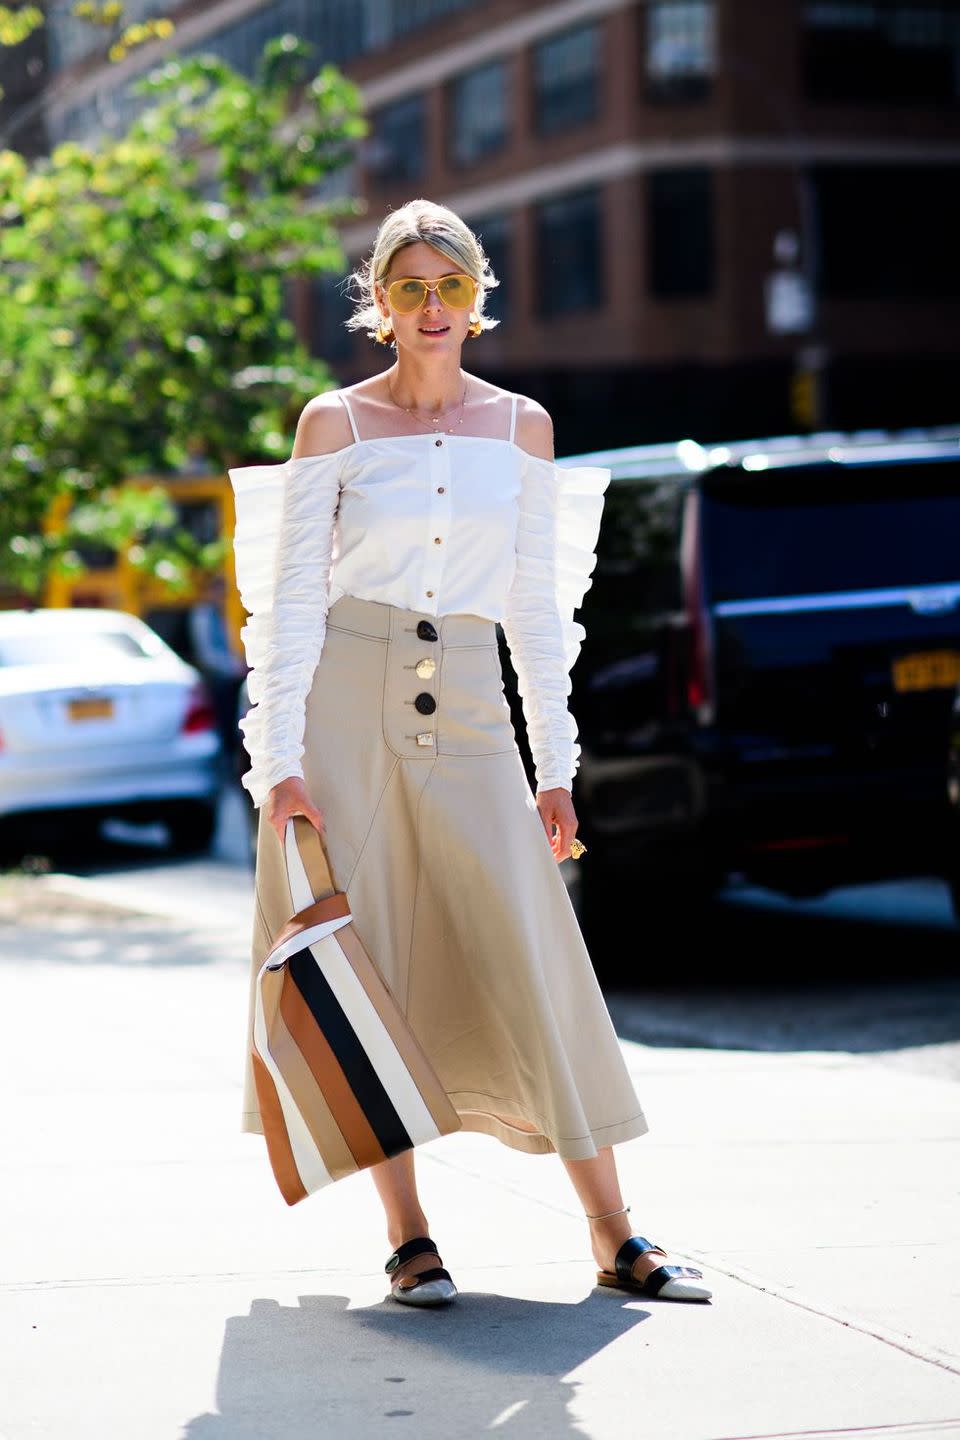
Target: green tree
143 289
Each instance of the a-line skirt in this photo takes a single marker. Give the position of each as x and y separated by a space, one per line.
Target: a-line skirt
433 832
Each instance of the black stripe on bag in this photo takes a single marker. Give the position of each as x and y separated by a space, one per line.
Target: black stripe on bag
351 1056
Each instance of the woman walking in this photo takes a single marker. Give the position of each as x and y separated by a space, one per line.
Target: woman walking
420 508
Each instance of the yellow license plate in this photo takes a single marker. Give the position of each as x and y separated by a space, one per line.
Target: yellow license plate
92 708
934 670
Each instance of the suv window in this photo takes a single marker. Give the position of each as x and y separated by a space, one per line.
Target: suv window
824 528
637 574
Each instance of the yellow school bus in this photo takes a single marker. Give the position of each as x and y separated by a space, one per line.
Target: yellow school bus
204 508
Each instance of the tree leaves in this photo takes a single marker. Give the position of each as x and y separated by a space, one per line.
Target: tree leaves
143 288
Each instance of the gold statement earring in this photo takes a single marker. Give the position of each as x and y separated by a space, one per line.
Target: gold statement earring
384 333
474 328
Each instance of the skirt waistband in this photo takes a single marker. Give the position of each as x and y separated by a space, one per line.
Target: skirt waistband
380 621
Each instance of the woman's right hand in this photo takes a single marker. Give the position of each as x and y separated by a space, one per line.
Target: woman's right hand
289 797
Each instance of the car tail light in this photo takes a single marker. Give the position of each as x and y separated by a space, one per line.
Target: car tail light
200 714
700 689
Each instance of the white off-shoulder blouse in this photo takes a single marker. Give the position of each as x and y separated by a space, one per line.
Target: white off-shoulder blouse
438 524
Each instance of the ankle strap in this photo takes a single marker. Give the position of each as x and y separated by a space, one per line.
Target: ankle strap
625 1211
422 1245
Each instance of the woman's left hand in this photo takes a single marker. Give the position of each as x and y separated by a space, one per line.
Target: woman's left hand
559 820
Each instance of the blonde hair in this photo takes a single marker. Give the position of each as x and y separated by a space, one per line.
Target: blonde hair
436 226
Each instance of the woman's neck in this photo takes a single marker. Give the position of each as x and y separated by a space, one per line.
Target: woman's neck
426 388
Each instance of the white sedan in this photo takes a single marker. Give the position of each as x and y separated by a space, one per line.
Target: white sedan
97 713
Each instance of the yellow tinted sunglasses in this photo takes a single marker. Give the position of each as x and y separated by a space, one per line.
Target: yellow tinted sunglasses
408 293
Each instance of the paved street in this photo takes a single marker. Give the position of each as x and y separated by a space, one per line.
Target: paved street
804 1150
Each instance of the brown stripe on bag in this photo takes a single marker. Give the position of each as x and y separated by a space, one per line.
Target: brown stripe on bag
332 908
434 1096
275 1133
344 1107
308 1097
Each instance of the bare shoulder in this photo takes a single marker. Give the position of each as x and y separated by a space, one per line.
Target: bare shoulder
323 426
534 431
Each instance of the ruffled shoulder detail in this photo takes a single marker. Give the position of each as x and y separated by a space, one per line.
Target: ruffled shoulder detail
260 492
283 547
579 509
559 523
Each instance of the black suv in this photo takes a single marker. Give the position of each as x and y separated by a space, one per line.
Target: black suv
773 644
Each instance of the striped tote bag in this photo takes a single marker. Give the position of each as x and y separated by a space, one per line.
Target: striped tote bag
341 1081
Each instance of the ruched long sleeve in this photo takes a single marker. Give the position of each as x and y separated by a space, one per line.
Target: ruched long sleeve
559 522
283 551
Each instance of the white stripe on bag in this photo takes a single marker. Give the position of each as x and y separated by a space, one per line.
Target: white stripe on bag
300 941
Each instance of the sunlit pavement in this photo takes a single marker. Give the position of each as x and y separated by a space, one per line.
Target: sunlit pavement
157 1286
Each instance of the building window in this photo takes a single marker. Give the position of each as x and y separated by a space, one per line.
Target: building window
681 49
680 225
478 113
570 253
859 53
872 246
566 79
494 233
392 19
71 39
396 149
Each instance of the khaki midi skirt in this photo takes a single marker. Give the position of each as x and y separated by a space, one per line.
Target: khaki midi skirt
453 886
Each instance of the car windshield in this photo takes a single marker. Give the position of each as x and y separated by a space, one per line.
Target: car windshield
57 647
826 529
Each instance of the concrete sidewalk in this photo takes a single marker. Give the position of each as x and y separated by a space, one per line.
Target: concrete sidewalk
156 1286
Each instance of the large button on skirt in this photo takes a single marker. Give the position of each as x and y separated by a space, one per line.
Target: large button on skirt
433 831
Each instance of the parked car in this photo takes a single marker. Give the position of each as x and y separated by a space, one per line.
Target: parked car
99 717
952 865
773 645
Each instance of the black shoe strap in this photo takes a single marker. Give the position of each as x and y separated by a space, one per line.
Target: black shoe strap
628 1253
422 1245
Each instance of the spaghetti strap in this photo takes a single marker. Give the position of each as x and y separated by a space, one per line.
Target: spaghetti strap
513 415
353 426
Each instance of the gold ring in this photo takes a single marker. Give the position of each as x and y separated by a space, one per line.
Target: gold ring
577 848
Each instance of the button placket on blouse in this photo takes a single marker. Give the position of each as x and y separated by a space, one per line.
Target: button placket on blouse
437 522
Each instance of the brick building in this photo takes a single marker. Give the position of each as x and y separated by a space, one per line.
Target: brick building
709 217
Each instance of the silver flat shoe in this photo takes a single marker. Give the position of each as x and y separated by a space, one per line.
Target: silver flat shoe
667 1282
430 1287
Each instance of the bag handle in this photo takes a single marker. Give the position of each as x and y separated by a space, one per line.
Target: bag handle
308 864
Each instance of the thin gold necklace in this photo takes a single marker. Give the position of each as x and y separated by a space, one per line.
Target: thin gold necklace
434 420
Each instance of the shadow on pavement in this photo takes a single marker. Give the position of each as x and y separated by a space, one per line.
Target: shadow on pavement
322 1370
